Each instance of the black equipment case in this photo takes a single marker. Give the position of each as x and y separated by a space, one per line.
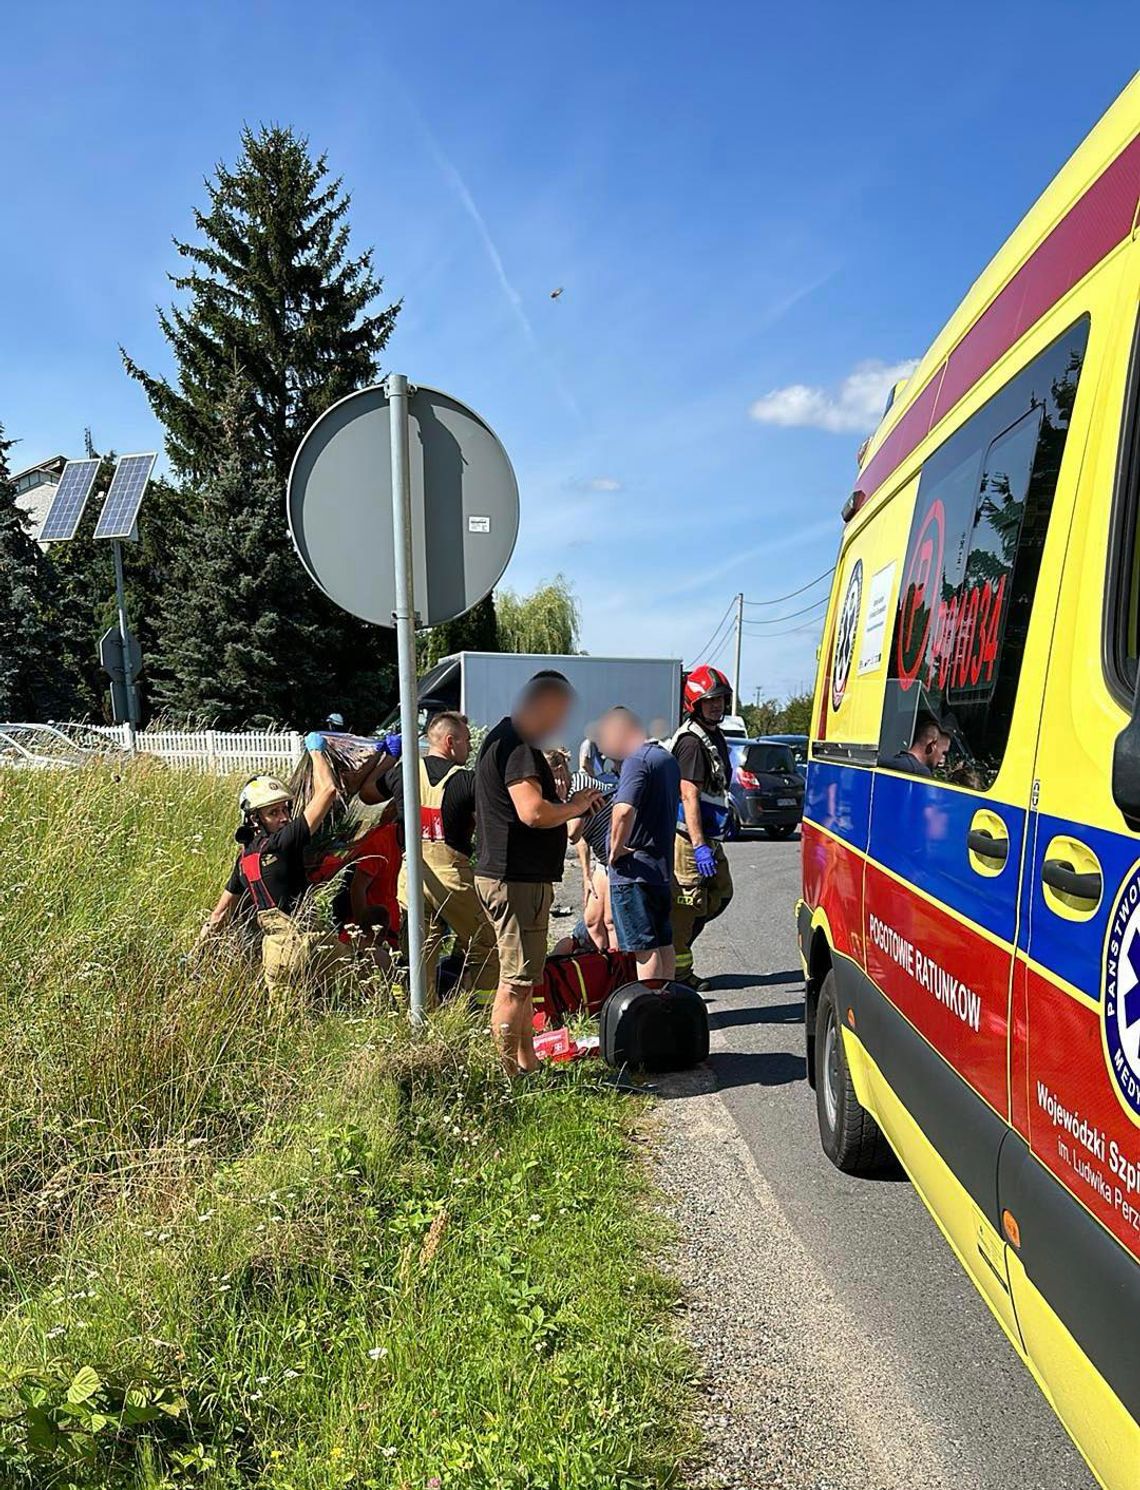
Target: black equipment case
655 1027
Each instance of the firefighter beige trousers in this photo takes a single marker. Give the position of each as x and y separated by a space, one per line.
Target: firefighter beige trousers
696 901
451 903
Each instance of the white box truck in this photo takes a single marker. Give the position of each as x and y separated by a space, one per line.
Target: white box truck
484 685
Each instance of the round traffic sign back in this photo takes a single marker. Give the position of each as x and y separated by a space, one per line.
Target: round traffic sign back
465 505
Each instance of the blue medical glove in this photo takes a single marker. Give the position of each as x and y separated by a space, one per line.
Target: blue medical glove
314 740
393 745
706 861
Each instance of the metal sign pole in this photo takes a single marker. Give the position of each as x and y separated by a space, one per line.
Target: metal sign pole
124 635
405 618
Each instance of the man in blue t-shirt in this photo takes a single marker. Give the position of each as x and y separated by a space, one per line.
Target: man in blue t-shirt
641 843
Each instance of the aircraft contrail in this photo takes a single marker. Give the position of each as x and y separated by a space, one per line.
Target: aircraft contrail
453 178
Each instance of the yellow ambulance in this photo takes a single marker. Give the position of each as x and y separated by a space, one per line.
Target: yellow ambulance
970 920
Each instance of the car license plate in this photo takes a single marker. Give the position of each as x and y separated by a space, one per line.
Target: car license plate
785 801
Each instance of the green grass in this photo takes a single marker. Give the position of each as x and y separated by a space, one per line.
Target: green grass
297 1249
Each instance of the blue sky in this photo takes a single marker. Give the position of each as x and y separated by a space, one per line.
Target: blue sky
756 212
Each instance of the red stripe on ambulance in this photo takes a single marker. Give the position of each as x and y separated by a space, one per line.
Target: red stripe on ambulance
833 883
1077 1128
951 983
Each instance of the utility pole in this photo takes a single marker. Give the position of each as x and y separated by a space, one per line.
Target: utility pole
736 669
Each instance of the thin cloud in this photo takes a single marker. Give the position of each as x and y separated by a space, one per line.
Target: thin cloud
779 308
598 484
459 188
820 530
854 408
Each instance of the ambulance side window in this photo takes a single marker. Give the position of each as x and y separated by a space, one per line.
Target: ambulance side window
1122 633
980 521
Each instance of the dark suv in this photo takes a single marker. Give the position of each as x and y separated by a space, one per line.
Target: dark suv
766 791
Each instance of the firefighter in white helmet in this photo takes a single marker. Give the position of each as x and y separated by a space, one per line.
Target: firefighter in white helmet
270 868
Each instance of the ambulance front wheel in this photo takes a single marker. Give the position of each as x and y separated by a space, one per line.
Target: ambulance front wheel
851 1138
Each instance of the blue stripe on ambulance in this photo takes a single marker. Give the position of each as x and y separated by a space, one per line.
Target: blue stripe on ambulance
937 862
1073 949
837 798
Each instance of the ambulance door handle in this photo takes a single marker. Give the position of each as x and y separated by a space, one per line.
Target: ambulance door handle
1060 875
983 842
988 844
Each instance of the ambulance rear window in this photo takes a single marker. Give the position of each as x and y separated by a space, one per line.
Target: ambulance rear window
980 522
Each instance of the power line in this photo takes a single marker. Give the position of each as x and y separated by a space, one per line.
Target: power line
713 644
716 633
779 599
765 636
791 616
715 656
717 648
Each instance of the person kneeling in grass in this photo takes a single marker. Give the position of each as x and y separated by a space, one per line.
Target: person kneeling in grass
641 843
270 868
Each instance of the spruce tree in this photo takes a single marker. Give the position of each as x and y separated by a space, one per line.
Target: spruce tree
27 688
273 296
276 317
211 667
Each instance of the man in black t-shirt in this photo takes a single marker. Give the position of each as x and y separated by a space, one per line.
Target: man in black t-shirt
447 829
521 832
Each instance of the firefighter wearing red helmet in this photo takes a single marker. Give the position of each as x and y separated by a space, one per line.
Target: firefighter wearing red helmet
700 868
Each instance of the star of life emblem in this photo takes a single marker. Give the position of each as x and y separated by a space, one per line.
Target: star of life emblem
845 631
1120 1006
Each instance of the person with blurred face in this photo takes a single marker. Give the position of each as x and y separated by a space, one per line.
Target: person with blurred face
521 833
642 830
447 831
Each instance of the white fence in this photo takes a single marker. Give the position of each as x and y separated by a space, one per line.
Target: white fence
210 749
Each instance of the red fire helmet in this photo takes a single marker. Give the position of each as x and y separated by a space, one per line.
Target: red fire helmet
704 682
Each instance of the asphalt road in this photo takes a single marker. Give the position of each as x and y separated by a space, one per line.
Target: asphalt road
872 1247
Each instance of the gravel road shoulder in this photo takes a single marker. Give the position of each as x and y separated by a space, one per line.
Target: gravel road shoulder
792 1394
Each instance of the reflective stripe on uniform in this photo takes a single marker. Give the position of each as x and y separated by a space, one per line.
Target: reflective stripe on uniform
431 803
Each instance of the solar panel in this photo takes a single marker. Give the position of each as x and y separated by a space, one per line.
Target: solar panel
121 504
69 501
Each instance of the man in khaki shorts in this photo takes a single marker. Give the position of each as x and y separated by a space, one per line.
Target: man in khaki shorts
521 831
